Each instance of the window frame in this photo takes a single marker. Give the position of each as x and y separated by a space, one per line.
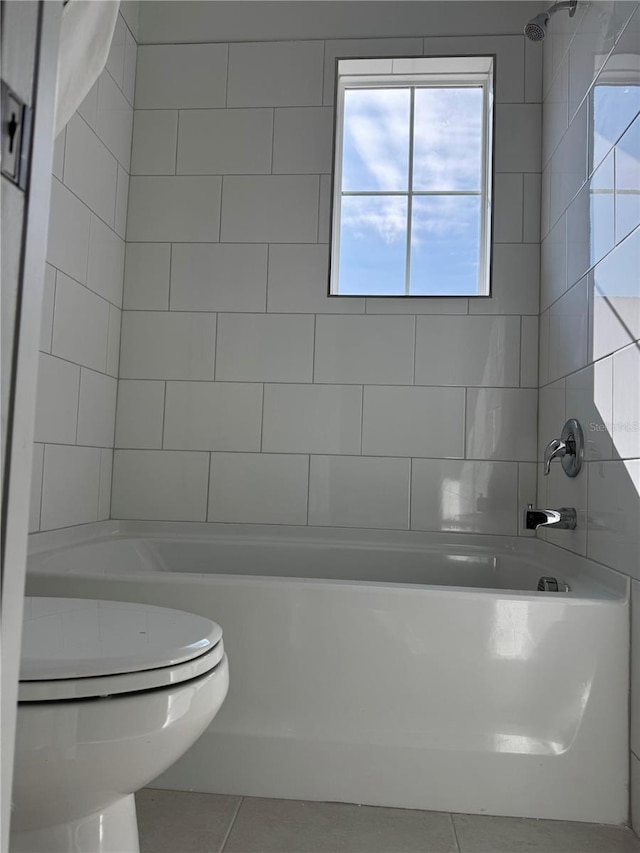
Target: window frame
369 78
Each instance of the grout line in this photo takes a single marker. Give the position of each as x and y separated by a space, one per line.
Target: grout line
262 419
164 414
361 418
175 162
266 288
323 94
78 406
44 448
53 312
170 276
308 488
410 501
206 513
465 418
415 348
455 832
273 138
231 825
215 351
520 349
313 351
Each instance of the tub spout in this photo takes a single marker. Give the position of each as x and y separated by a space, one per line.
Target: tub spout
564 518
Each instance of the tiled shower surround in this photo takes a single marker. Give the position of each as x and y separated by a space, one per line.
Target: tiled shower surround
590 299
80 340
246 394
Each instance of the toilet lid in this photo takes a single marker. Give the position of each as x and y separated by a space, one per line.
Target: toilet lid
76 638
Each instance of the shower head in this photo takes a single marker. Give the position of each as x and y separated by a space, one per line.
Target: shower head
536 29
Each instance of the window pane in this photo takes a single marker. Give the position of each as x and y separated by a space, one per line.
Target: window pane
376 140
448 139
373 245
445 245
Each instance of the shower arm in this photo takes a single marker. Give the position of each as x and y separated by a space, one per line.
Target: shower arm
571 5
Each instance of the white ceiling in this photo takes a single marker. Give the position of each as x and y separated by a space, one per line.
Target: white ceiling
171 21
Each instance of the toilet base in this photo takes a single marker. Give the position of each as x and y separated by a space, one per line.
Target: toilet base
111 830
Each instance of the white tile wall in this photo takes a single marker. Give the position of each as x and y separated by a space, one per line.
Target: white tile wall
184 209
80 324
97 409
70 486
57 401
212 416
80 335
269 209
48 298
105 272
225 142
478 350
261 74
264 348
464 496
114 120
158 484
312 419
359 491
167 345
303 140
413 421
186 76
218 277
259 488
155 138
318 404
90 170
494 417
299 282
590 267
69 221
375 350
146 278
140 414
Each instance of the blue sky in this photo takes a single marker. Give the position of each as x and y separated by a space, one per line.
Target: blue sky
445 238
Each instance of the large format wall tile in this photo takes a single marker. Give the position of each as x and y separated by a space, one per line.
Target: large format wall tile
312 419
212 416
229 224
359 491
264 348
260 74
371 350
468 351
259 488
164 345
82 300
162 485
464 496
183 209
186 76
413 421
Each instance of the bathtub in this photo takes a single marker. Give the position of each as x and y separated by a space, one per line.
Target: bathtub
395 669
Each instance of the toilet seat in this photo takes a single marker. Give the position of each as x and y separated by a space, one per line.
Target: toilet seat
84 648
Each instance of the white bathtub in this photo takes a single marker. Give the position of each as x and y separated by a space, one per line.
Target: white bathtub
392 669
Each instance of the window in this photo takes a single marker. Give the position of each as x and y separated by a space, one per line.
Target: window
412 177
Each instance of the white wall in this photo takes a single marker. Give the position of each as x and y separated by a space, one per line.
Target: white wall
245 394
80 338
590 299
228 20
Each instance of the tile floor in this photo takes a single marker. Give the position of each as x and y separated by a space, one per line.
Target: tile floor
178 822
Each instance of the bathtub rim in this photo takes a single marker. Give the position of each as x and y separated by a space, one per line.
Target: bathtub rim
606 584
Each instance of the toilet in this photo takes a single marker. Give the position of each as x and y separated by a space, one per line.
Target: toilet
110 695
